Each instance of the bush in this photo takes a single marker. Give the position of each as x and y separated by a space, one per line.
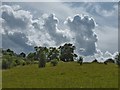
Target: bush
20 62
28 62
17 61
8 62
80 61
23 62
42 63
5 64
14 63
36 62
54 62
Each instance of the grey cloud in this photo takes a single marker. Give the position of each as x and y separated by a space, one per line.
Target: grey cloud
85 37
56 34
16 42
16 24
15 19
15 27
45 32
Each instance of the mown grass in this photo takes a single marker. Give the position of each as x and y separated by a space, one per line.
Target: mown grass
64 75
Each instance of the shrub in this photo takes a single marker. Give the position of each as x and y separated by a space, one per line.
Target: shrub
5 64
28 62
80 61
23 62
36 62
17 61
42 63
54 62
14 63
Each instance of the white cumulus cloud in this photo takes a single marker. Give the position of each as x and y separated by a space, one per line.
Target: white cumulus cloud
85 37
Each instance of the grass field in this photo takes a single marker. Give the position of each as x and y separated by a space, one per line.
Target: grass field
64 75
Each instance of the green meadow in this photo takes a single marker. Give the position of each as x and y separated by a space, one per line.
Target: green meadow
64 75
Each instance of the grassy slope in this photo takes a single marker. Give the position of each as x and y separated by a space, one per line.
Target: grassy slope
65 75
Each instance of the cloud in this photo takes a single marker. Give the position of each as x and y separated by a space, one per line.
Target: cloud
101 11
49 30
16 42
108 38
58 35
14 26
85 36
42 31
106 13
18 23
15 19
100 56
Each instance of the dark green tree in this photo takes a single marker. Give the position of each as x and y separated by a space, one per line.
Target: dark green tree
67 52
54 62
117 58
30 58
22 55
41 53
10 52
53 53
80 60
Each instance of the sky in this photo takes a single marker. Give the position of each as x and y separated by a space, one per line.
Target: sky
91 26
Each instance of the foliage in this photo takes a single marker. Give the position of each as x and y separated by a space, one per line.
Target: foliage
23 55
53 53
28 62
117 58
54 62
5 64
23 62
31 57
11 59
41 56
36 62
95 61
67 52
80 61
110 60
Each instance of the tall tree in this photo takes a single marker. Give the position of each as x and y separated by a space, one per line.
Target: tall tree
67 52
41 53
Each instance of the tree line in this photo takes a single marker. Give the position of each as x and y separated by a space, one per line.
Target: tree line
41 55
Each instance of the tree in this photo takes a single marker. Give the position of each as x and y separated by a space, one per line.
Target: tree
8 62
41 53
109 60
80 60
10 52
54 62
67 52
95 61
11 59
30 57
53 53
5 64
22 55
117 58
